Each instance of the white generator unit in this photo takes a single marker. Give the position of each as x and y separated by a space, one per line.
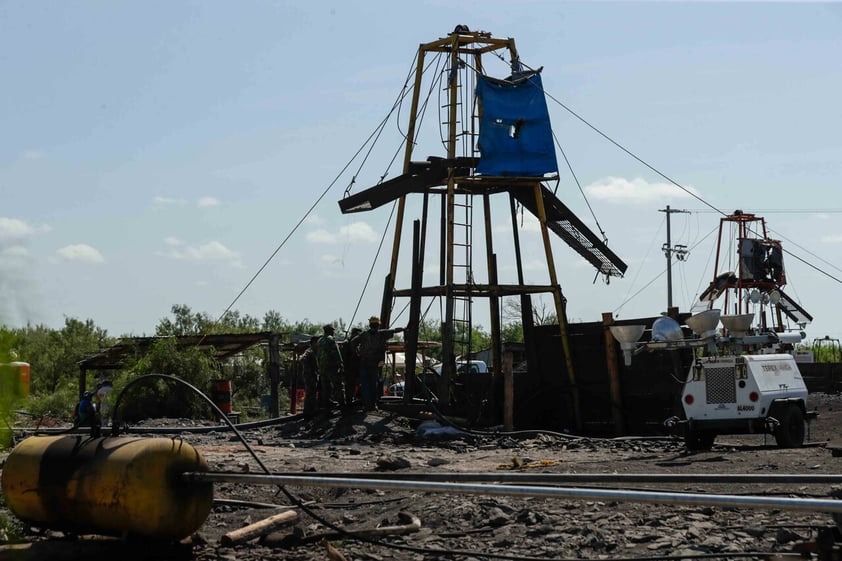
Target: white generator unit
730 391
744 394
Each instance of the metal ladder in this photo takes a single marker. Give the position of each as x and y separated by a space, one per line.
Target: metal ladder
463 273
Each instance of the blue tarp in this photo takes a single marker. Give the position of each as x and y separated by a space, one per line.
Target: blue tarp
515 137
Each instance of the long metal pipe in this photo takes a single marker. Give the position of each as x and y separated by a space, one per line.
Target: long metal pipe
654 497
556 478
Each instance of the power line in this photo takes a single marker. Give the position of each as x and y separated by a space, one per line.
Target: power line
374 135
782 210
712 208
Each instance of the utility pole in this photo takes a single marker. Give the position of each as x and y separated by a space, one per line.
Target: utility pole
679 250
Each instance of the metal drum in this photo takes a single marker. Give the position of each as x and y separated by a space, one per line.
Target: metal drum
116 486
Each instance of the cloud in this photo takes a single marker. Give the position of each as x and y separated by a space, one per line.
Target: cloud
833 238
16 229
314 220
212 251
12 228
32 154
354 232
205 202
321 236
166 201
80 252
14 251
358 231
622 191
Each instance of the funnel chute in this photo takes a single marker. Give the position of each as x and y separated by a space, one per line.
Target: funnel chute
627 335
704 324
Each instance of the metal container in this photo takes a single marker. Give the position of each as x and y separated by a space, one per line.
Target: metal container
116 486
14 379
222 395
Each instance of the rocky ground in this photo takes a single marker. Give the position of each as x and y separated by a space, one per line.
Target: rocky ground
462 526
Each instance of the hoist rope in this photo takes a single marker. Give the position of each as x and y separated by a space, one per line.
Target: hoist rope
582 191
373 263
330 186
805 250
633 155
663 175
419 119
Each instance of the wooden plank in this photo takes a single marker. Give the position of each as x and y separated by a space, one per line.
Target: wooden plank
259 528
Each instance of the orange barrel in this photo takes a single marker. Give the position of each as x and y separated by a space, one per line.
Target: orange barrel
14 379
222 395
300 396
113 486
22 378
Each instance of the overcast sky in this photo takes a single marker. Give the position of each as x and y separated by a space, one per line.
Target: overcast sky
157 153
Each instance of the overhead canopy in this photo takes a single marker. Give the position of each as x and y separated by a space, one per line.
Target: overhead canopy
515 137
223 345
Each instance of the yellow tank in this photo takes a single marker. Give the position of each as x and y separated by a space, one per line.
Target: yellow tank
116 486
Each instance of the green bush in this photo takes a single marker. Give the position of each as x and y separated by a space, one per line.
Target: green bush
58 404
153 398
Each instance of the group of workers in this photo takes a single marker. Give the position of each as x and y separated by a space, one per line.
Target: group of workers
334 373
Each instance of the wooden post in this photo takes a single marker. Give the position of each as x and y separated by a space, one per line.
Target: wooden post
274 371
508 392
83 380
411 336
613 376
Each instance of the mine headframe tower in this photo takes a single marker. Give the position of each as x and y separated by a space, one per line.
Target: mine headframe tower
498 141
757 277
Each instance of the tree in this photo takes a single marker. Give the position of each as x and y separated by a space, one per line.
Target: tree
431 330
275 322
185 322
542 313
512 332
54 355
247 371
163 399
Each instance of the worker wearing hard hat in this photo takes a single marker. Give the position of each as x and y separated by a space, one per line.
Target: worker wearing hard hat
371 347
330 369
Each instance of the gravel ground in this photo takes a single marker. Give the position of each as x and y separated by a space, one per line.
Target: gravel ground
462 526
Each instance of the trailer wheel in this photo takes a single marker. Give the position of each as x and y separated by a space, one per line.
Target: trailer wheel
698 440
790 433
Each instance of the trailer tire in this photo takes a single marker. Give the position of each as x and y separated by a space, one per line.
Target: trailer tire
790 433
698 440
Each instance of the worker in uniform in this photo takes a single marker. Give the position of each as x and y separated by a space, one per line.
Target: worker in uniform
371 346
101 399
351 362
310 372
86 415
330 369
